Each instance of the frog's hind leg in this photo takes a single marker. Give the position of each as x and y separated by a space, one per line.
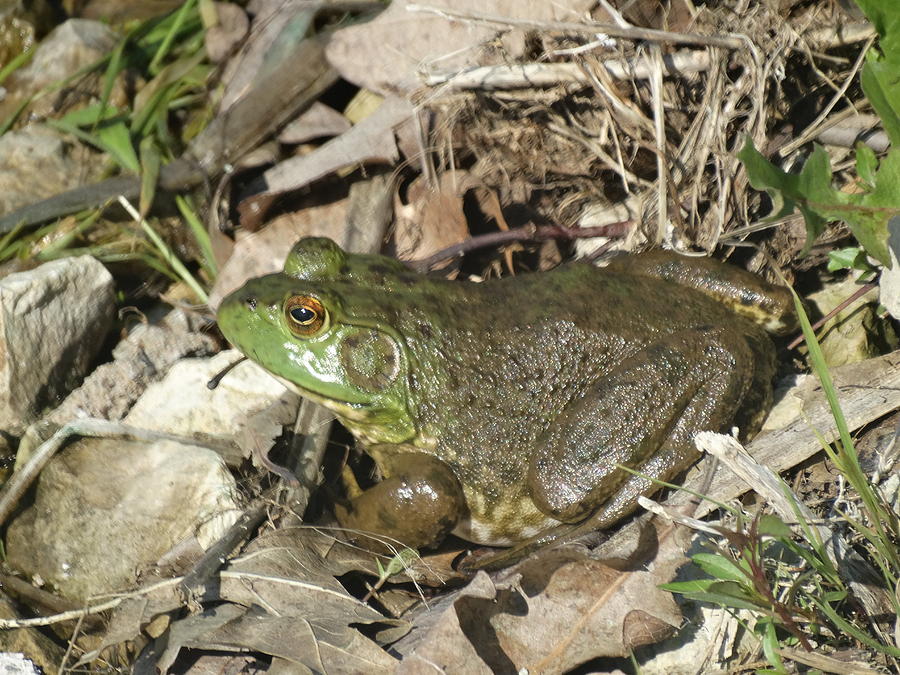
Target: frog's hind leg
643 415
417 505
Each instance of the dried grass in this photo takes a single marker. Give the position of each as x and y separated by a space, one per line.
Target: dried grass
593 139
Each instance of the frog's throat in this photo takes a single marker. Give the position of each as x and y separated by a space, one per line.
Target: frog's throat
369 421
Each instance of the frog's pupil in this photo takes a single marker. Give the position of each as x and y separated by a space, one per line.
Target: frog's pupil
303 315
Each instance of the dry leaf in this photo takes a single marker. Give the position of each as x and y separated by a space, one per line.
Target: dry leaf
319 121
387 53
372 140
432 219
550 614
281 586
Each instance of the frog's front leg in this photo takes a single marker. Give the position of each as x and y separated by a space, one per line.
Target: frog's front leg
417 504
643 415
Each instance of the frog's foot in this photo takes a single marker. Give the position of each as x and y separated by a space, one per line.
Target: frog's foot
643 416
416 506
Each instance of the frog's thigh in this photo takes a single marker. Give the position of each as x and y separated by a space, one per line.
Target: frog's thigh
418 504
642 415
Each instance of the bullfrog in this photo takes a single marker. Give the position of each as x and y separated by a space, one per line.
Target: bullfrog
501 410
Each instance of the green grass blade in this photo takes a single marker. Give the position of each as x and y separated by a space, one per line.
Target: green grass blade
6 250
201 236
113 68
852 630
167 254
58 248
847 458
164 47
17 62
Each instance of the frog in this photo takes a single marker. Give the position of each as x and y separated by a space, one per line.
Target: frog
504 409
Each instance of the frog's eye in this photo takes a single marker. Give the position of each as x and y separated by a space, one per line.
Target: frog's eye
305 315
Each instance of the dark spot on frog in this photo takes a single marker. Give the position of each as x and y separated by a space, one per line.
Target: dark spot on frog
425 330
748 298
381 270
250 301
353 341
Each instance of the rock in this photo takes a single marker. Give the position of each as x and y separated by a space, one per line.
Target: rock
856 333
16 663
248 407
142 358
35 163
68 48
25 651
53 320
106 509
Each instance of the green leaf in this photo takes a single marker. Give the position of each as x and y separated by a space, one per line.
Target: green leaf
109 132
725 600
866 213
788 191
719 567
879 83
770 648
687 587
729 594
401 561
866 164
835 596
774 526
844 259
885 17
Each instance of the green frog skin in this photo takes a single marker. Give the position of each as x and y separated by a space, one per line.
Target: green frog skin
500 410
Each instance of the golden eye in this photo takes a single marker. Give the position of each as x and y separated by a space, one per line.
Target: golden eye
305 315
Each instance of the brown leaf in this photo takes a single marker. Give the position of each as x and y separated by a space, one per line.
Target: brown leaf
387 53
299 639
432 219
552 613
372 140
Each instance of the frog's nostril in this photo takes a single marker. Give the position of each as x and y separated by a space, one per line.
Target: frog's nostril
250 301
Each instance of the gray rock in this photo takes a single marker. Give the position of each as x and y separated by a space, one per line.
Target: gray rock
53 320
68 48
248 409
35 163
106 509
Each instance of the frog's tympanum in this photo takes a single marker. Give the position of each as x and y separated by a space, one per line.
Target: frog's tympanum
501 409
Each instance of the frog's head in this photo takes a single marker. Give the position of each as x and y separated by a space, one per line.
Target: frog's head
311 325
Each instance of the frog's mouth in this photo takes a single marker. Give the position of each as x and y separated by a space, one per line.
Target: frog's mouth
359 411
370 420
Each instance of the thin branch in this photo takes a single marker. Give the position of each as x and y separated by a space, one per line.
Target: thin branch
526 233
528 75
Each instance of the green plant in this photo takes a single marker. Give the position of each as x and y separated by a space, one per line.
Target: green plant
804 596
875 197
137 137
